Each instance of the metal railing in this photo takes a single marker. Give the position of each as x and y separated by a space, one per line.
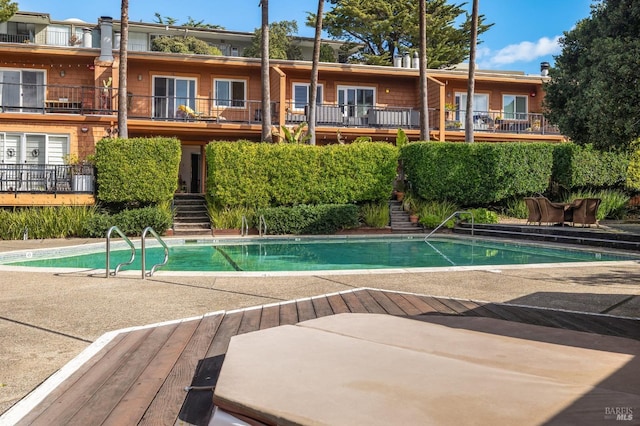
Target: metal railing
143 255
46 178
108 252
244 227
454 214
262 226
84 100
501 122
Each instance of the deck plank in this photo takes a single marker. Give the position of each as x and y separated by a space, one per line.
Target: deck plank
96 361
250 321
138 398
457 306
165 408
105 399
438 306
353 303
407 307
305 310
478 309
270 317
197 405
369 302
288 313
338 304
420 304
386 303
60 409
321 306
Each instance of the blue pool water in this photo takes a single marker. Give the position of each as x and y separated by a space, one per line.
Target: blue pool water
332 254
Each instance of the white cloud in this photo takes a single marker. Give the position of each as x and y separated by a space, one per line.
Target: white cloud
525 51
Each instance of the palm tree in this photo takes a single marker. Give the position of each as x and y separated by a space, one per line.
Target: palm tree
468 122
266 93
424 102
313 87
123 132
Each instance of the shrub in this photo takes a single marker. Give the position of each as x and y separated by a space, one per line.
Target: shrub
585 167
516 207
263 175
230 217
633 171
309 219
137 171
612 206
434 213
130 221
480 215
45 222
479 173
375 215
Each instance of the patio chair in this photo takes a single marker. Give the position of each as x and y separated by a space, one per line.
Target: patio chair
554 212
534 210
186 112
585 211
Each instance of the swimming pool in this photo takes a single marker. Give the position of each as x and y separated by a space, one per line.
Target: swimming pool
313 254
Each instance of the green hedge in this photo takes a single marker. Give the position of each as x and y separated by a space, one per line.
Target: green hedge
477 173
308 219
130 221
137 171
633 171
262 175
584 167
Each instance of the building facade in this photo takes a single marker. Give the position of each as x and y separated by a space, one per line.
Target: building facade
59 96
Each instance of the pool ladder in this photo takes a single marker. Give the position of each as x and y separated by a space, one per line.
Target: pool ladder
262 226
146 230
454 214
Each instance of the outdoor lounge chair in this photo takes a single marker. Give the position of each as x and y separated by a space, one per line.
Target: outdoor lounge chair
585 211
186 112
554 212
534 210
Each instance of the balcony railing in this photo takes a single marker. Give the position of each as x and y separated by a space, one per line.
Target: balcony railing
46 178
500 122
58 99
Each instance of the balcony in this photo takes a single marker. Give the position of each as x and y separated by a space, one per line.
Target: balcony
46 178
85 100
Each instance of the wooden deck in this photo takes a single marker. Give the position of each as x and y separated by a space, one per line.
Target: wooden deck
140 376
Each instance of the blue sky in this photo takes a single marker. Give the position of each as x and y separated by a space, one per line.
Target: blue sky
525 31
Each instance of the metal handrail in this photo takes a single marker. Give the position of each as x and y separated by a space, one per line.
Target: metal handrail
128 241
262 224
244 227
447 219
146 230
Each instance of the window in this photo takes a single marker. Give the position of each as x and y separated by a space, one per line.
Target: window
27 148
171 92
480 109
301 95
230 93
356 101
21 90
514 107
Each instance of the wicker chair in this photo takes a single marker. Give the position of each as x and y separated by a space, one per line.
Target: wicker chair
585 211
554 212
534 210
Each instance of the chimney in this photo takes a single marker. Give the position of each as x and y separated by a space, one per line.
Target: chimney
397 61
544 69
415 63
106 41
406 61
87 38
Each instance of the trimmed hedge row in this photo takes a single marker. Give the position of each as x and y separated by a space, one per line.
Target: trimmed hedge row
137 171
581 167
478 173
633 172
130 221
262 175
309 219
486 173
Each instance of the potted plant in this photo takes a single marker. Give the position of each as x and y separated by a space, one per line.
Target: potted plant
80 172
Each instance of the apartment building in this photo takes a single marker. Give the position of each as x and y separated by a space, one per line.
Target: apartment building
59 96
